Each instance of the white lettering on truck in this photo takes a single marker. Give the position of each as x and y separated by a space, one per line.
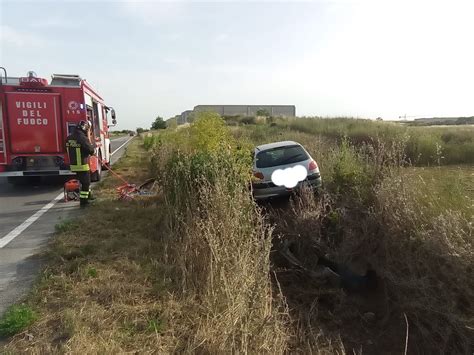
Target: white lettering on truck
30 104
30 110
32 121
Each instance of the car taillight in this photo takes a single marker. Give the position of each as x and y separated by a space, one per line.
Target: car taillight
312 166
258 175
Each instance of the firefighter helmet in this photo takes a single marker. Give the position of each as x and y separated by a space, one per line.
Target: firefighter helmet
84 126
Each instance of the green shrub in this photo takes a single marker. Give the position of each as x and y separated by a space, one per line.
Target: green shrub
65 226
91 271
16 319
248 120
149 141
351 176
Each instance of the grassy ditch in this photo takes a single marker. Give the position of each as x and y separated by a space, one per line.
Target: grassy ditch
199 268
414 226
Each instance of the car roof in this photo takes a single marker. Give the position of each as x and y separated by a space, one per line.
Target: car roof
276 145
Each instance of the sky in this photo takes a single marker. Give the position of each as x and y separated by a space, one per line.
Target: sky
360 58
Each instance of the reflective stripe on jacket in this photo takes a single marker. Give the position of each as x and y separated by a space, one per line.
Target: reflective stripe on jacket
79 149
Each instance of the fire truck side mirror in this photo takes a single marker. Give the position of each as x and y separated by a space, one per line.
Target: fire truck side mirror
114 119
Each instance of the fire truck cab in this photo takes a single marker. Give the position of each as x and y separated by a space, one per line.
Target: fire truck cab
36 117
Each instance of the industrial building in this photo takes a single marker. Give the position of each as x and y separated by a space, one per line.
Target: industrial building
184 117
248 110
240 110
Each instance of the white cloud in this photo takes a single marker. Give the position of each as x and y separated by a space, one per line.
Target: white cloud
152 12
56 23
19 38
182 62
222 37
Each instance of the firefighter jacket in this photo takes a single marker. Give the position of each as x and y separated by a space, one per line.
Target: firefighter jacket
79 149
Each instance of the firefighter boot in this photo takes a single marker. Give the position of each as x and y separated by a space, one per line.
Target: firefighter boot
83 202
91 196
84 198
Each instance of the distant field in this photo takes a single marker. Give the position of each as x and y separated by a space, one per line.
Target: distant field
423 145
470 126
444 188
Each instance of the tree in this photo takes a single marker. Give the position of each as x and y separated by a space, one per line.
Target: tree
140 130
159 123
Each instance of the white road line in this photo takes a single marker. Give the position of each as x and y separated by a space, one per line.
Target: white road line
116 150
17 231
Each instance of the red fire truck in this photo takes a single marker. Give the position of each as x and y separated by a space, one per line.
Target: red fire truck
36 117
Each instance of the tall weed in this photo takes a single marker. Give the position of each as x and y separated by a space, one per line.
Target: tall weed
219 242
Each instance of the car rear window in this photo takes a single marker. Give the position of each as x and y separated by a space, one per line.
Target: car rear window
281 156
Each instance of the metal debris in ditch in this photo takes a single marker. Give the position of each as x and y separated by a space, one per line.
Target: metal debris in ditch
130 192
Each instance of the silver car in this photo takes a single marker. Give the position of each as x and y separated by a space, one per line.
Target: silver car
280 168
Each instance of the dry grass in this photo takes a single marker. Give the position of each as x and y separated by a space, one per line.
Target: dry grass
106 291
423 256
414 226
198 270
427 261
159 280
99 291
424 267
221 246
225 274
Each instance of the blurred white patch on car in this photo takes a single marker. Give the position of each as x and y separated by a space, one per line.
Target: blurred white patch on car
289 177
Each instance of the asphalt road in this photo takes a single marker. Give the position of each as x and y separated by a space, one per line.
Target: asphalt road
19 246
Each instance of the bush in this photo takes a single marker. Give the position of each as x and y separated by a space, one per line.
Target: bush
248 120
159 123
16 319
151 140
351 176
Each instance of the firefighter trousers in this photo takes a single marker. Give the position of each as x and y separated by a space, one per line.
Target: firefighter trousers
85 179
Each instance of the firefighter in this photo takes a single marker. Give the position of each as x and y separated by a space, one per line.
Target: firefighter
79 149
